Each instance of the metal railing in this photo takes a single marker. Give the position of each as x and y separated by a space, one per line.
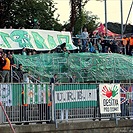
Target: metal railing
30 103
25 102
118 43
14 77
75 102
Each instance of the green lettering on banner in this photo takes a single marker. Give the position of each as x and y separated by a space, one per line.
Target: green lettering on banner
51 42
3 36
22 37
39 40
65 39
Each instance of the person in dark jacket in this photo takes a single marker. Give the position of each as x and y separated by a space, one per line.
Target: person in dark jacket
54 79
20 72
2 64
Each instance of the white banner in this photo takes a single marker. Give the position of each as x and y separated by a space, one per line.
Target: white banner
109 98
6 94
34 39
75 96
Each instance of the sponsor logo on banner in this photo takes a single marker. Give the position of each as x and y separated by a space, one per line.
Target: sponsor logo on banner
109 98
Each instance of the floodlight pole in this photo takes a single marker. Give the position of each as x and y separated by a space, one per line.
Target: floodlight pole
121 5
105 8
128 16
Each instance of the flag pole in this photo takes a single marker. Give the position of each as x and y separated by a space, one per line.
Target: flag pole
105 8
121 5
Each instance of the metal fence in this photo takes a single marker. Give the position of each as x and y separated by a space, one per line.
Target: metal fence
25 102
81 102
70 102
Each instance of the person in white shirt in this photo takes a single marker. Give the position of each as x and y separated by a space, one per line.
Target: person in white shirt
85 37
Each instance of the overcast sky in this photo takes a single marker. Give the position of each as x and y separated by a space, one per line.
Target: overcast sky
97 8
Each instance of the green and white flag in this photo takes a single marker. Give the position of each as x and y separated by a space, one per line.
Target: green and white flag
11 94
35 93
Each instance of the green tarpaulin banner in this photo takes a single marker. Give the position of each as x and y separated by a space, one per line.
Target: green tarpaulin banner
34 39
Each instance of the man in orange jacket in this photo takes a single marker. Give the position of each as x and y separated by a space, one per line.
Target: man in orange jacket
131 43
6 69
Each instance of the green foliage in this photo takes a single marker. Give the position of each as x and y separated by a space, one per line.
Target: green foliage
91 21
24 12
86 19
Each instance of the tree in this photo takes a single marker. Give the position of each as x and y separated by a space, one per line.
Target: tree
30 13
88 20
80 18
76 10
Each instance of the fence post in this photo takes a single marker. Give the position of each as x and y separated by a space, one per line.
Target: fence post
1 114
53 102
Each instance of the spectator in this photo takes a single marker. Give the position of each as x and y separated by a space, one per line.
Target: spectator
2 64
54 79
34 52
103 43
79 45
109 50
89 43
20 72
113 46
29 53
85 37
92 49
96 48
11 27
12 61
65 50
99 45
6 69
120 52
125 44
1 51
73 79
131 44
24 51
97 35
8 53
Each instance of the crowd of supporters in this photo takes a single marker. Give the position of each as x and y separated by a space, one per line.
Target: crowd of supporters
85 42
100 43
